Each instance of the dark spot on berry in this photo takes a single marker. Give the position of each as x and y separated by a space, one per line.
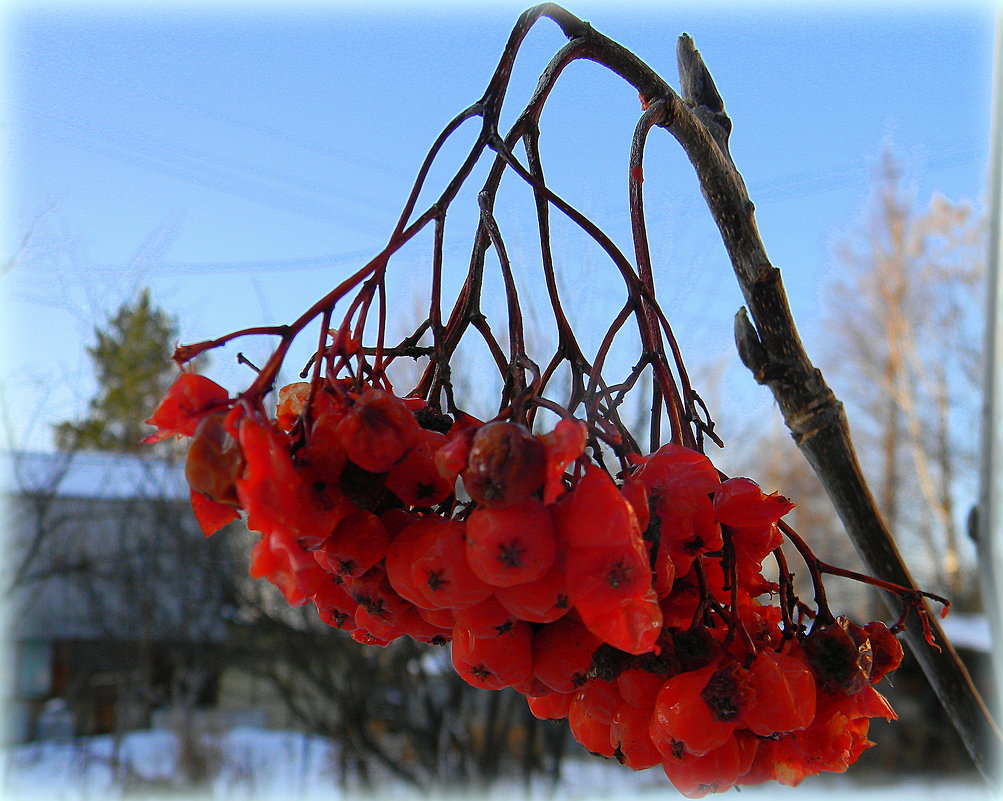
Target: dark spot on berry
653 533
435 580
373 605
510 554
347 566
339 618
618 575
608 662
723 694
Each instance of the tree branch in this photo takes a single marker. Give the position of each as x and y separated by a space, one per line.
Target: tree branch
770 346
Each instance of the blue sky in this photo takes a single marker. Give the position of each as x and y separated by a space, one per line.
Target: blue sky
239 161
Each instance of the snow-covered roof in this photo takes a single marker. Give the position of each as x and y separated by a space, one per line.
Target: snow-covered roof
88 474
968 631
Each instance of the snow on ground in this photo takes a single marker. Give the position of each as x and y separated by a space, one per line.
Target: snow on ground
259 765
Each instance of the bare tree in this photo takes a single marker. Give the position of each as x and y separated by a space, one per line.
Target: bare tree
904 338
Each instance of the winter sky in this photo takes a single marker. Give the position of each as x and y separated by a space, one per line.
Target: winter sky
239 159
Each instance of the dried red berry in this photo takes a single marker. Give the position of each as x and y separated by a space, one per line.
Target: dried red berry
190 398
214 461
886 650
840 656
505 465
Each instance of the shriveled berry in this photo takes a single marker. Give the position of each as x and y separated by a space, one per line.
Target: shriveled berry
214 461
886 650
840 656
506 464
190 398
562 446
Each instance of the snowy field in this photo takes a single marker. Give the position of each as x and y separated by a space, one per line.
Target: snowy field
273 766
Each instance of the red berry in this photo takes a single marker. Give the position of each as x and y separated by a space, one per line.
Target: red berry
377 431
611 589
542 601
357 543
684 716
595 515
562 654
590 715
493 662
442 573
713 772
335 606
415 480
512 545
410 544
553 706
784 697
485 619
374 593
630 738
640 688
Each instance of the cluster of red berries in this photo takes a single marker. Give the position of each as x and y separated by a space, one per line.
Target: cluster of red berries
636 610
